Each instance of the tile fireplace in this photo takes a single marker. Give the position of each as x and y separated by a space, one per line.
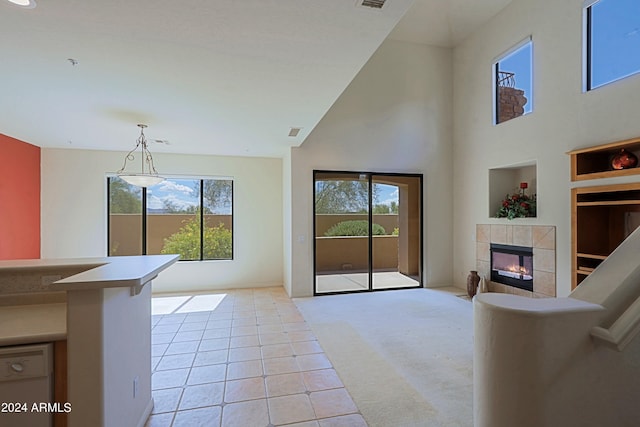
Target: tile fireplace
539 259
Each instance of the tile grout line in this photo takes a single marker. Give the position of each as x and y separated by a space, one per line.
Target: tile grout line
286 315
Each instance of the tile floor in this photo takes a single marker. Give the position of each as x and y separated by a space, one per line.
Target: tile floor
248 360
360 281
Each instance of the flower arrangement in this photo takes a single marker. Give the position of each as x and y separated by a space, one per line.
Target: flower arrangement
518 205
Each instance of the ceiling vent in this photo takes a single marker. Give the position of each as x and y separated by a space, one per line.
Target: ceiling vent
293 132
374 4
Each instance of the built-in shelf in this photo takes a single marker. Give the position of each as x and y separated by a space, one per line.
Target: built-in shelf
595 162
592 256
584 272
603 216
609 203
505 180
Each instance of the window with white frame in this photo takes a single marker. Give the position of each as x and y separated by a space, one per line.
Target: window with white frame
612 41
192 217
513 82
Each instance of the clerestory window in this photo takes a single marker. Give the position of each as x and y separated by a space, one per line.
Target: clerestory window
513 82
612 41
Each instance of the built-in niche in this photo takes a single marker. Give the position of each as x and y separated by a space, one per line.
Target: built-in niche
506 180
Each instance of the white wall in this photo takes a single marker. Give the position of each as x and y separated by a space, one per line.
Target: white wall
74 217
395 116
563 119
286 219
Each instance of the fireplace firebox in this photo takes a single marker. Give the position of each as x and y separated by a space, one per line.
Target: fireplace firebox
512 266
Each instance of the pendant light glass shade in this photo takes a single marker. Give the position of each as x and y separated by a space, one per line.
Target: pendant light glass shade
142 179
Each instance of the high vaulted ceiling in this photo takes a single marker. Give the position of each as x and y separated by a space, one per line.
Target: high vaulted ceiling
225 77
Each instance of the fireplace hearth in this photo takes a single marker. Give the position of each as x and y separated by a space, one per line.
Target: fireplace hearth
512 265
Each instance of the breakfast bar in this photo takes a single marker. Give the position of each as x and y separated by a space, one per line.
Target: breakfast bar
108 329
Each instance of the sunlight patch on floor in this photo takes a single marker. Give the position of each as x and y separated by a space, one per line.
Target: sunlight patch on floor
185 304
202 303
166 305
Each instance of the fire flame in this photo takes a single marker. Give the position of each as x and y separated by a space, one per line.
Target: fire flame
517 269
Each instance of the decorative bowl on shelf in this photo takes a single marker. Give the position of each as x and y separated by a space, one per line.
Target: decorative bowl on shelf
624 160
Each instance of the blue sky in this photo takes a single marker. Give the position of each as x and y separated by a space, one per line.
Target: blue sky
616 40
519 62
387 194
181 193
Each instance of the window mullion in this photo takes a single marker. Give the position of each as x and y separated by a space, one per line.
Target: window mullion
108 216
201 219
144 220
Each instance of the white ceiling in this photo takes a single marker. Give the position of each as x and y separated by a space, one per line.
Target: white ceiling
445 22
226 77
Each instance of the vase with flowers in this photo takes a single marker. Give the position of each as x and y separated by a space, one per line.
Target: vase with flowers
518 205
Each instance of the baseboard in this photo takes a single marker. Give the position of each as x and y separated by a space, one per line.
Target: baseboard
145 415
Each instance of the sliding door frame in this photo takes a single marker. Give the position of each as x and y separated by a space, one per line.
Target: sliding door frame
370 176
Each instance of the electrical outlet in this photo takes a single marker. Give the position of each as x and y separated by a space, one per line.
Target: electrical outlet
136 380
47 280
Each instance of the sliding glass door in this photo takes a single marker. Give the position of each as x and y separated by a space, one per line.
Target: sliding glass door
341 232
367 231
396 254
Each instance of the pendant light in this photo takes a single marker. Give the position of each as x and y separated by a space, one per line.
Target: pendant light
142 179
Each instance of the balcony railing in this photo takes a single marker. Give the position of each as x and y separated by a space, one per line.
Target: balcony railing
506 79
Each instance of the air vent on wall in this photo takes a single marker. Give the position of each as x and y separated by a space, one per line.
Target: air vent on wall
375 4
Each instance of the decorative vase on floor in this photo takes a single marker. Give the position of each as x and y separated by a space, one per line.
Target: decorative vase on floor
472 283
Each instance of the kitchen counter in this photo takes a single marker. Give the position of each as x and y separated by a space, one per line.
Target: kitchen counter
92 273
116 272
15 265
107 324
33 323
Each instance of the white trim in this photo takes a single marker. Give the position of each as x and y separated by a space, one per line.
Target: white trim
179 176
494 90
585 36
146 414
531 98
588 3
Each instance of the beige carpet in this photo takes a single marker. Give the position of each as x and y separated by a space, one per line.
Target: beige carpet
405 356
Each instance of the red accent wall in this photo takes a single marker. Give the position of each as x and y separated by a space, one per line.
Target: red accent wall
19 199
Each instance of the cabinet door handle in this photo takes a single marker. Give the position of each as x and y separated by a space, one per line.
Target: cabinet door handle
17 367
